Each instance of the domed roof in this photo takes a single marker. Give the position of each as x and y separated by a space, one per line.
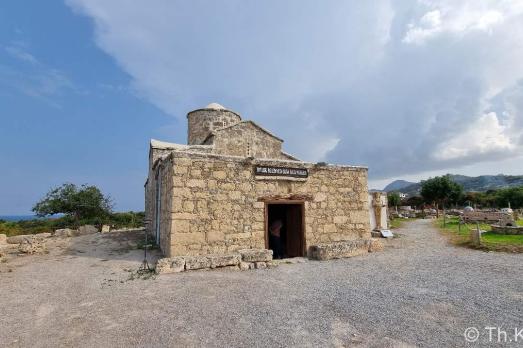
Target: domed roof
215 106
468 208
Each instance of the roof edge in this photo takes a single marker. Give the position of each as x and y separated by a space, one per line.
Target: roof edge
247 121
261 160
215 110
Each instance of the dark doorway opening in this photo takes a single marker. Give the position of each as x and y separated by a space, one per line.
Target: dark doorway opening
292 236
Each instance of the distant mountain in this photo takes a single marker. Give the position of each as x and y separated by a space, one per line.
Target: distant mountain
470 183
397 185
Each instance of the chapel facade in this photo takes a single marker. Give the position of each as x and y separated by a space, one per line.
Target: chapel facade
220 192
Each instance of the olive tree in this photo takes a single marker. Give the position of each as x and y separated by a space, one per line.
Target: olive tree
394 200
82 202
440 191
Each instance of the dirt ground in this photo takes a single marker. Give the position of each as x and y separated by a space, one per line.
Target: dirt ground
420 291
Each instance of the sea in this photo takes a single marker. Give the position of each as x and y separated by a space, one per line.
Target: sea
18 217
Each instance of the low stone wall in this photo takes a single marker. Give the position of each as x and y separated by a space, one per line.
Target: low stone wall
242 260
507 229
338 250
262 258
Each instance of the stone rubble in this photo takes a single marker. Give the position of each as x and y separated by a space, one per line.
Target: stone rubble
64 233
87 229
22 237
32 245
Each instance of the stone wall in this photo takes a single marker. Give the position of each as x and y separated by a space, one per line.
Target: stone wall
218 207
202 122
507 229
166 197
158 150
247 140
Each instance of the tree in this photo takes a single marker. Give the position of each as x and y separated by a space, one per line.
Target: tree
394 200
414 201
441 190
512 195
82 202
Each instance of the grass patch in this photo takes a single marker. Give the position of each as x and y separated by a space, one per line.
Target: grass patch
151 244
143 274
500 239
398 222
460 235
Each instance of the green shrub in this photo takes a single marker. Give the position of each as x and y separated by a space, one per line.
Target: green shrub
116 220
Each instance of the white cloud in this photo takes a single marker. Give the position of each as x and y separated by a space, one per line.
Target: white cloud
32 77
460 18
19 53
381 83
429 26
486 135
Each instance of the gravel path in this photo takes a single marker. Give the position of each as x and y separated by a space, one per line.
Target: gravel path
419 292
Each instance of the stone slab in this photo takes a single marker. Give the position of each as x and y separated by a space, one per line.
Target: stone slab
224 260
64 232
338 250
256 255
87 229
197 262
170 265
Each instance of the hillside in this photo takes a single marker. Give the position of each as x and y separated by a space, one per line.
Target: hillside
469 183
397 185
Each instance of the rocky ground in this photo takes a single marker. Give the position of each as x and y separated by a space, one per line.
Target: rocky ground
420 291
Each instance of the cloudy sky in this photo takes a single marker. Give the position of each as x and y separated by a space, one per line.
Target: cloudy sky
410 89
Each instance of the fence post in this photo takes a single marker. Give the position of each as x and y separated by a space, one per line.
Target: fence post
475 235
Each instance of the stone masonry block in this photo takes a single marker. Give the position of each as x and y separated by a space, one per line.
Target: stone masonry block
188 238
215 236
197 262
260 265
340 219
339 250
375 245
87 229
170 265
256 255
224 260
219 174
